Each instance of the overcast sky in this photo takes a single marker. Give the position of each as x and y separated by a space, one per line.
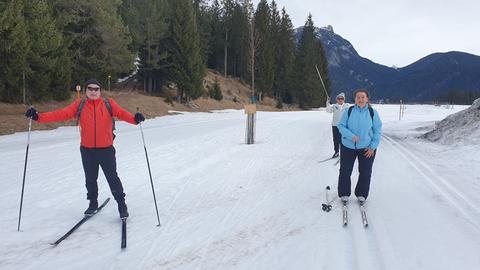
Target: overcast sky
395 32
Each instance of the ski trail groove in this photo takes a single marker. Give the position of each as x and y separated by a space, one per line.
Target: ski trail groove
449 193
226 217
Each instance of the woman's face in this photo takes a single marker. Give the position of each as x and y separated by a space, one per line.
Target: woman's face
361 99
340 100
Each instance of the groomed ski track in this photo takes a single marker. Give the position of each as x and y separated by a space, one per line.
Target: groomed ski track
226 205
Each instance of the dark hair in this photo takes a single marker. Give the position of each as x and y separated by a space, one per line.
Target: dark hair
360 91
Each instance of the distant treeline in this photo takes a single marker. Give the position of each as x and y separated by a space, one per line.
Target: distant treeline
461 97
48 46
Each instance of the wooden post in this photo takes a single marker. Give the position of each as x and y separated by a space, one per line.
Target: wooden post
250 111
400 114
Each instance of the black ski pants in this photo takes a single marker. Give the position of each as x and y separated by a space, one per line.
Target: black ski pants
337 137
347 159
92 158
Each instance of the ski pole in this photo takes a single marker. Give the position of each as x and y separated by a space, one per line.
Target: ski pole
324 88
24 173
149 171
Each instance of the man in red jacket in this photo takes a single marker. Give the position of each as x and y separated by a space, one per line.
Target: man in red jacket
96 131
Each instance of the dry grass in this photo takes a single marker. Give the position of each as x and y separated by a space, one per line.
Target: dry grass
12 117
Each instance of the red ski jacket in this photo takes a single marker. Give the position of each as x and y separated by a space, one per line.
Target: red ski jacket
95 120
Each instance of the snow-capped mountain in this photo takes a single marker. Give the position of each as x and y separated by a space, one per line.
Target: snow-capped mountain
424 80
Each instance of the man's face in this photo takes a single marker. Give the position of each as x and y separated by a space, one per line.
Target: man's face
340 100
93 91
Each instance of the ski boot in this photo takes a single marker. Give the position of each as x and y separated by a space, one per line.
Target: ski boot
122 209
92 208
361 200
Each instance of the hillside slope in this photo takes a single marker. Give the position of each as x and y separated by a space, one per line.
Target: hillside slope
12 119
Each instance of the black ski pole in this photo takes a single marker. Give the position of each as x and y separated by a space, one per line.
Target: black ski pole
149 171
24 173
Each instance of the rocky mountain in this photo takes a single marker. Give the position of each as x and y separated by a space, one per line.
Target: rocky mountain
423 81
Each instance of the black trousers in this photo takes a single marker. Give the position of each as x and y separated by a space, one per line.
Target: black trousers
337 137
92 158
347 159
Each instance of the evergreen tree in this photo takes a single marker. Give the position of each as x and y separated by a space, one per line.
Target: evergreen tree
216 37
284 76
227 22
98 41
235 40
247 9
216 92
14 47
265 55
48 74
275 21
147 21
203 17
309 90
132 12
187 66
228 39
323 68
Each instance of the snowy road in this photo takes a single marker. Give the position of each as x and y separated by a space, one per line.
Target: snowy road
226 205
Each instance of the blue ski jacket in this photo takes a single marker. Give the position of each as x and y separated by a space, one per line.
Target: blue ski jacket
360 124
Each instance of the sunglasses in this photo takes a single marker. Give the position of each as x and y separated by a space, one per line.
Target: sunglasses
341 98
93 89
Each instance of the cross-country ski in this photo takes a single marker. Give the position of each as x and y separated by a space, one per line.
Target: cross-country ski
363 212
124 233
83 220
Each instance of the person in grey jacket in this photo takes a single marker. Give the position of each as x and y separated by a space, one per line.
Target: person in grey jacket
337 110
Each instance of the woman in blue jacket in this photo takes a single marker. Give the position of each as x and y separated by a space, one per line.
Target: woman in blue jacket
360 127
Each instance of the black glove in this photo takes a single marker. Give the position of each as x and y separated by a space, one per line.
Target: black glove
139 118
32 113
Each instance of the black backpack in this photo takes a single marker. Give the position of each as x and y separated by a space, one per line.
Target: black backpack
107 104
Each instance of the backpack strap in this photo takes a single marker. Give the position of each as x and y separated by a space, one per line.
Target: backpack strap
350 110
107 104
109 108
79 110
370 109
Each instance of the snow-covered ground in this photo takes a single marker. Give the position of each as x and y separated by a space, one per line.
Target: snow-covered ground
227 205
